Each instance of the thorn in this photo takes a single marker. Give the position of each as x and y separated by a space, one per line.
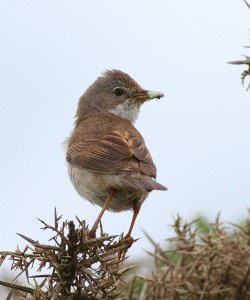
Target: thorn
27 239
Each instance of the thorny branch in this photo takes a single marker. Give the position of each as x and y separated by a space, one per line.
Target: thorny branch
245 73
199 266
75 266
246 61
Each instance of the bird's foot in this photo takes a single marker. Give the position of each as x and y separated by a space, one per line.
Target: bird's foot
128 241
92 233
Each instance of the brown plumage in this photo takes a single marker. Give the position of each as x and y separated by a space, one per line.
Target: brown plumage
108 161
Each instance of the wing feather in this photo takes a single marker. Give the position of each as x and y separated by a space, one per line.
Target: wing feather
118 152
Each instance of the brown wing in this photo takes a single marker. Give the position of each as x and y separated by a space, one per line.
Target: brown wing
119 152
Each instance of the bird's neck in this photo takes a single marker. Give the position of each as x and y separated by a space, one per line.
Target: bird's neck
128 110
83 110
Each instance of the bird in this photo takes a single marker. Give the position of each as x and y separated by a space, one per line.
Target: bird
108 161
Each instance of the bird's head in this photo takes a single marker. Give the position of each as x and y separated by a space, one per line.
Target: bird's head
115 92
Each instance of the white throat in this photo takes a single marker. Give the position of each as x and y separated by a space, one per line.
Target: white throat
127 110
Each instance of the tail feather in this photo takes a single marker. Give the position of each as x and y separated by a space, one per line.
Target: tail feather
143 182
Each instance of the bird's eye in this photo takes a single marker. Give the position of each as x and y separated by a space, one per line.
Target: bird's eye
118 91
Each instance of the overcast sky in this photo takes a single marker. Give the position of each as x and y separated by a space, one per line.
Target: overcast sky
198 134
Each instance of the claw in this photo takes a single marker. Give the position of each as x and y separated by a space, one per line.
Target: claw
129 241
92 234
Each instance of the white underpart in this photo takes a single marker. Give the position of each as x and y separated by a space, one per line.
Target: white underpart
127 110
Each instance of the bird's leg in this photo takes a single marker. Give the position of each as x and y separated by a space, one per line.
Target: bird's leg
92 232
128 238
136 209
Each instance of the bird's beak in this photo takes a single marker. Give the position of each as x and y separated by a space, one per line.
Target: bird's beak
147 95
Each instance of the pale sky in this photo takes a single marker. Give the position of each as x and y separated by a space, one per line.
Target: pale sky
198 134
